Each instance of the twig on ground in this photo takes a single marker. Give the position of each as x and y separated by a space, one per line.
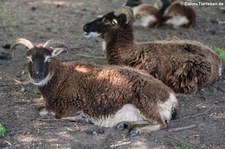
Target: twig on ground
182 128
22 83
8 143
89 56
221 22
199 114
120 143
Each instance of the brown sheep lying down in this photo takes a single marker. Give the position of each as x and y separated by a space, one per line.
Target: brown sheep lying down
107 95
183 65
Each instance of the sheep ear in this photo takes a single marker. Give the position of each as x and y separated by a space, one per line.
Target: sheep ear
57 51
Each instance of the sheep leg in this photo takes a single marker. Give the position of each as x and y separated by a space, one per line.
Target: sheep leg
137 127
79 116
129 124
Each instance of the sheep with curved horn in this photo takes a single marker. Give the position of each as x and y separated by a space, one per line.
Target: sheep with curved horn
109 96
185 66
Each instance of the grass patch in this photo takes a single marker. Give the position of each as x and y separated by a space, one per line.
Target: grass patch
220 52
2 130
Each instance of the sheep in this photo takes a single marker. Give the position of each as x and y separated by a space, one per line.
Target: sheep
183 65
109 96
145 15
177 14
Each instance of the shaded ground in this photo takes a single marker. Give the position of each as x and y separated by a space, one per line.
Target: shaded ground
41 20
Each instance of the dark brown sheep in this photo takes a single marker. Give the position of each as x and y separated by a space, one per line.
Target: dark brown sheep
107 95
185 66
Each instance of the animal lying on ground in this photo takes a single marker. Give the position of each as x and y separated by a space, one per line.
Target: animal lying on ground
108 95
175 13
145 15
185 66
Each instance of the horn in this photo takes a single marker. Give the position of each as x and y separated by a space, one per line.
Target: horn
125 10
59 43
22 41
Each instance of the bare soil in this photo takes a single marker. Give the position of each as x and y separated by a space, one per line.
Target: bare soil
39 20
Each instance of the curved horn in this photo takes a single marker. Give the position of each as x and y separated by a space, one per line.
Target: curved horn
125 10
52 42
22 41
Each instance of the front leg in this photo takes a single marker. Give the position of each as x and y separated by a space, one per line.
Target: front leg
137 127
79 116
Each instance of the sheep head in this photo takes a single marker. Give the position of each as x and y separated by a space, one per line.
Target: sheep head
109 22
39 58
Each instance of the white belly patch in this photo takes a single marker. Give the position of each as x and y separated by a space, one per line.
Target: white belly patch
177 21
145 21
127 113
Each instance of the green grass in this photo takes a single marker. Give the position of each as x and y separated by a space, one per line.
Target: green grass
220 52
2 130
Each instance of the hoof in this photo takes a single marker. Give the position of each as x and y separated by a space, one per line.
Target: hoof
133 132
122 126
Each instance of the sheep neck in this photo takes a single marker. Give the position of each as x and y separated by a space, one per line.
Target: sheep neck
118 43
57 91
57 80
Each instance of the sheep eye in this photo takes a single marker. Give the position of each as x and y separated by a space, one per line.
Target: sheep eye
114 22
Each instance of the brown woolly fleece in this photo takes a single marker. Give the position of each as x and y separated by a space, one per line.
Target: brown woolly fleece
101 90
185 66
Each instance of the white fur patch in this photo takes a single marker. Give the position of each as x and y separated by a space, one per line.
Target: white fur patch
43 112
165 108
104 44
29 58
91 35
127 113
177 21
145 21
44 81
220 71
47 58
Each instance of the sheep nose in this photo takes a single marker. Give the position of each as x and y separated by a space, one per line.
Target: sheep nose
39 75
85 27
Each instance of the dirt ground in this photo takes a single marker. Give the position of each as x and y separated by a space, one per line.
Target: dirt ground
40 20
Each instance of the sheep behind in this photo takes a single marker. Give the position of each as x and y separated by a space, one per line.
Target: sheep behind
185 66
179 15
145 15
